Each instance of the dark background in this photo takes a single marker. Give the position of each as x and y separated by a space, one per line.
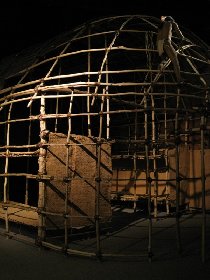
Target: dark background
24 23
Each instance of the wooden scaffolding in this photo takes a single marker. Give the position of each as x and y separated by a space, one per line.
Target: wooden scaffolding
99 90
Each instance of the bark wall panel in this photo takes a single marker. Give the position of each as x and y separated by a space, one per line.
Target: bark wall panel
183 172
123 181
195 191
81 183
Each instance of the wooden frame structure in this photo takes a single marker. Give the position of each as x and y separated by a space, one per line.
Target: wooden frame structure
102 80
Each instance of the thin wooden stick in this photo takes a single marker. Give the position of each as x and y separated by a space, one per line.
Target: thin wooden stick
47 75
106 55
70 86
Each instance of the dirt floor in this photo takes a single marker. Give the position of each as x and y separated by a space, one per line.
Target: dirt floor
19 260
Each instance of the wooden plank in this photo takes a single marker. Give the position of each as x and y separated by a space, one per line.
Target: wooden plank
19 213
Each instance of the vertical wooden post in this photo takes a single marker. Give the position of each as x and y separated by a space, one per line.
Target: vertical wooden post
88 89
135 178
203 182
29 142
42 171
177 143
134 162
186 137
117 181
98 180
167 184
155 167
166 158
107 99
6 187
67 179
148 179
97 199
57 104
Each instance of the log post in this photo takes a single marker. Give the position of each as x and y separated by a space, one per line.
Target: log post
42 171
